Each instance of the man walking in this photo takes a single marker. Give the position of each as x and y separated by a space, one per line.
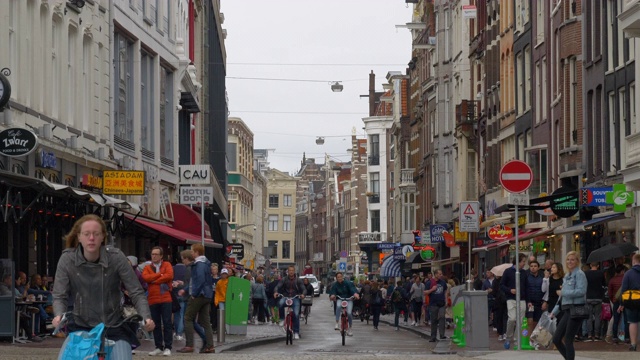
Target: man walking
487 285
201 294
631 281
437 304
508 287
534 294
596 284
291 286
159 275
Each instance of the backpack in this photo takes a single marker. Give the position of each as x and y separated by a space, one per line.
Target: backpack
631 299
377 299
396 296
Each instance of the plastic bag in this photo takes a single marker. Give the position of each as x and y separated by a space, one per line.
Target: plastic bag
547 323
540 336
83 344
605 315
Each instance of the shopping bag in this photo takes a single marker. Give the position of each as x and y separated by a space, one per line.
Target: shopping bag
83 344
605 315
547 323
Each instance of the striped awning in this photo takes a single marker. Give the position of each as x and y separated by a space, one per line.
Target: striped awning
391 267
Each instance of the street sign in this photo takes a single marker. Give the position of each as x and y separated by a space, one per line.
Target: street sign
238 251
469 216
520 199
342 266
516 176
194 195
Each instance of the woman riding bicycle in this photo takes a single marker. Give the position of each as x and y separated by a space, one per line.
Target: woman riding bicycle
91 273
344 289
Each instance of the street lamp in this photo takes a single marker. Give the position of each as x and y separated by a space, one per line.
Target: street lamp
237 227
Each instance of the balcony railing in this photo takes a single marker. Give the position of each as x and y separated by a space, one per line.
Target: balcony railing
406 177
371 237
374 199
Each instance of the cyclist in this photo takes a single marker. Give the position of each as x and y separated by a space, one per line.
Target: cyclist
291 286
309 289
344 289
92 273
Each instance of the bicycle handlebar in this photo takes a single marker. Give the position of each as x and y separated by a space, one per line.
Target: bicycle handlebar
286 297
349 298
65 319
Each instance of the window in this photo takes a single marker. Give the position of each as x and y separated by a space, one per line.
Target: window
374 183
273 222
286 249
123 76
448 180
273 200
374 216
232 156
621 39
544 107
527 78
71 92
166 114
286 223
87 62
611 21
447 105
147 102
233 207
540 22
538 108
408 211
520 75
632 109
374 158
538 162
273 249
573 97
287 200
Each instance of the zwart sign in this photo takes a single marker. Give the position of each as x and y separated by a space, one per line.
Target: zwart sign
17 142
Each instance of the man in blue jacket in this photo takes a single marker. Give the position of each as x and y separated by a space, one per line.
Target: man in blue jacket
631 281
201 291
534 294
508 287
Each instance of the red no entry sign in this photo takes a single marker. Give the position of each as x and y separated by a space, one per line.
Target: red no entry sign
516 176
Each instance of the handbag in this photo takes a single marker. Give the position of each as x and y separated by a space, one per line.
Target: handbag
605 314
175 304
579 311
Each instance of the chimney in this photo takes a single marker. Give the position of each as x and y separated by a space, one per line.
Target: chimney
372 93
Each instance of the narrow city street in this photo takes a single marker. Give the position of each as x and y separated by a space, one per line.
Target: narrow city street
319 336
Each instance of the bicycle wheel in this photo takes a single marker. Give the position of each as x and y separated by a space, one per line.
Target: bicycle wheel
345 327
288 328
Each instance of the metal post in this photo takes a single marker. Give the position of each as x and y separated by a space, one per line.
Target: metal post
221 326
469 285
202 219
518 319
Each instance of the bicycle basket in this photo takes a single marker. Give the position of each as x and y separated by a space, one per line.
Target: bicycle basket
289 302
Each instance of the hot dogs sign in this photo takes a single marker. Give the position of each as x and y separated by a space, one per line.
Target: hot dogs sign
500 232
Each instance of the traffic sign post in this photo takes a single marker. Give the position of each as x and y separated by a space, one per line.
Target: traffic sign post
469 222
516 176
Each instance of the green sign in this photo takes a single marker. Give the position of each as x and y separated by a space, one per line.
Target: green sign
619 197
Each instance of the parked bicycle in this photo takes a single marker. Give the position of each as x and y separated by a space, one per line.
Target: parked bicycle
288 318
96 340
344 317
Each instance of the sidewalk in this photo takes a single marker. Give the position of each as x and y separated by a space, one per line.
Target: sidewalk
48 349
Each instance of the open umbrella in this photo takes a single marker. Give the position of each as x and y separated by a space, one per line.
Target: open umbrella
611 251
499 270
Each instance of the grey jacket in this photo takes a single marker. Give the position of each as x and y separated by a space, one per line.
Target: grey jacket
96 287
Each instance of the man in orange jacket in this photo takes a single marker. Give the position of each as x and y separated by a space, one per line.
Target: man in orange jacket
159 275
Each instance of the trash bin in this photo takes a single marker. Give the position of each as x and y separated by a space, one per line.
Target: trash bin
476 320
237 306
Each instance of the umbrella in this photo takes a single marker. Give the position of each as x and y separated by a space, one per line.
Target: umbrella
499 270
611 251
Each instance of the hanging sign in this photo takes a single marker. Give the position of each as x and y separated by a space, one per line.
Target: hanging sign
500 232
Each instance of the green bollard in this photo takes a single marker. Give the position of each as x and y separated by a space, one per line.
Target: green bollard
463 341
524 336
457 331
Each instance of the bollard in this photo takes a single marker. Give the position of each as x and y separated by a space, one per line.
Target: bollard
524 336
457 331
221 326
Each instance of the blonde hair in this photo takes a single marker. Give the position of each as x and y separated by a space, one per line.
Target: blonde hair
573 253
187 254
71 239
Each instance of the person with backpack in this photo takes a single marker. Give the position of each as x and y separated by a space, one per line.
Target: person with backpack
399 299
437 303
631 308
377 302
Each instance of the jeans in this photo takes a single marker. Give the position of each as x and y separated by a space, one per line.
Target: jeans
565 333
375 311
349 309
296 313
616 322
199 307
258 309
163 332
416 308
178 317
437 320
398 307
596 311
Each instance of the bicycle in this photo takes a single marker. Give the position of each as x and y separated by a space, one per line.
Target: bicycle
344 317
365 313
305 313
288 318
104 351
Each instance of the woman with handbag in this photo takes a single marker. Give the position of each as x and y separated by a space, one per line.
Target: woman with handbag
572 304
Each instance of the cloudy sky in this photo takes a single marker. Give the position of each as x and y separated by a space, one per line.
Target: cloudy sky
312 43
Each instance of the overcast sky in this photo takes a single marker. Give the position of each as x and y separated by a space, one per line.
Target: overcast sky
324 40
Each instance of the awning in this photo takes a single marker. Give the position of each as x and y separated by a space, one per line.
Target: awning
495 220
101 199
587 224
495 245
522 236
390 267
174 233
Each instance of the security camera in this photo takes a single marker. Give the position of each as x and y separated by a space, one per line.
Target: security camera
77 3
